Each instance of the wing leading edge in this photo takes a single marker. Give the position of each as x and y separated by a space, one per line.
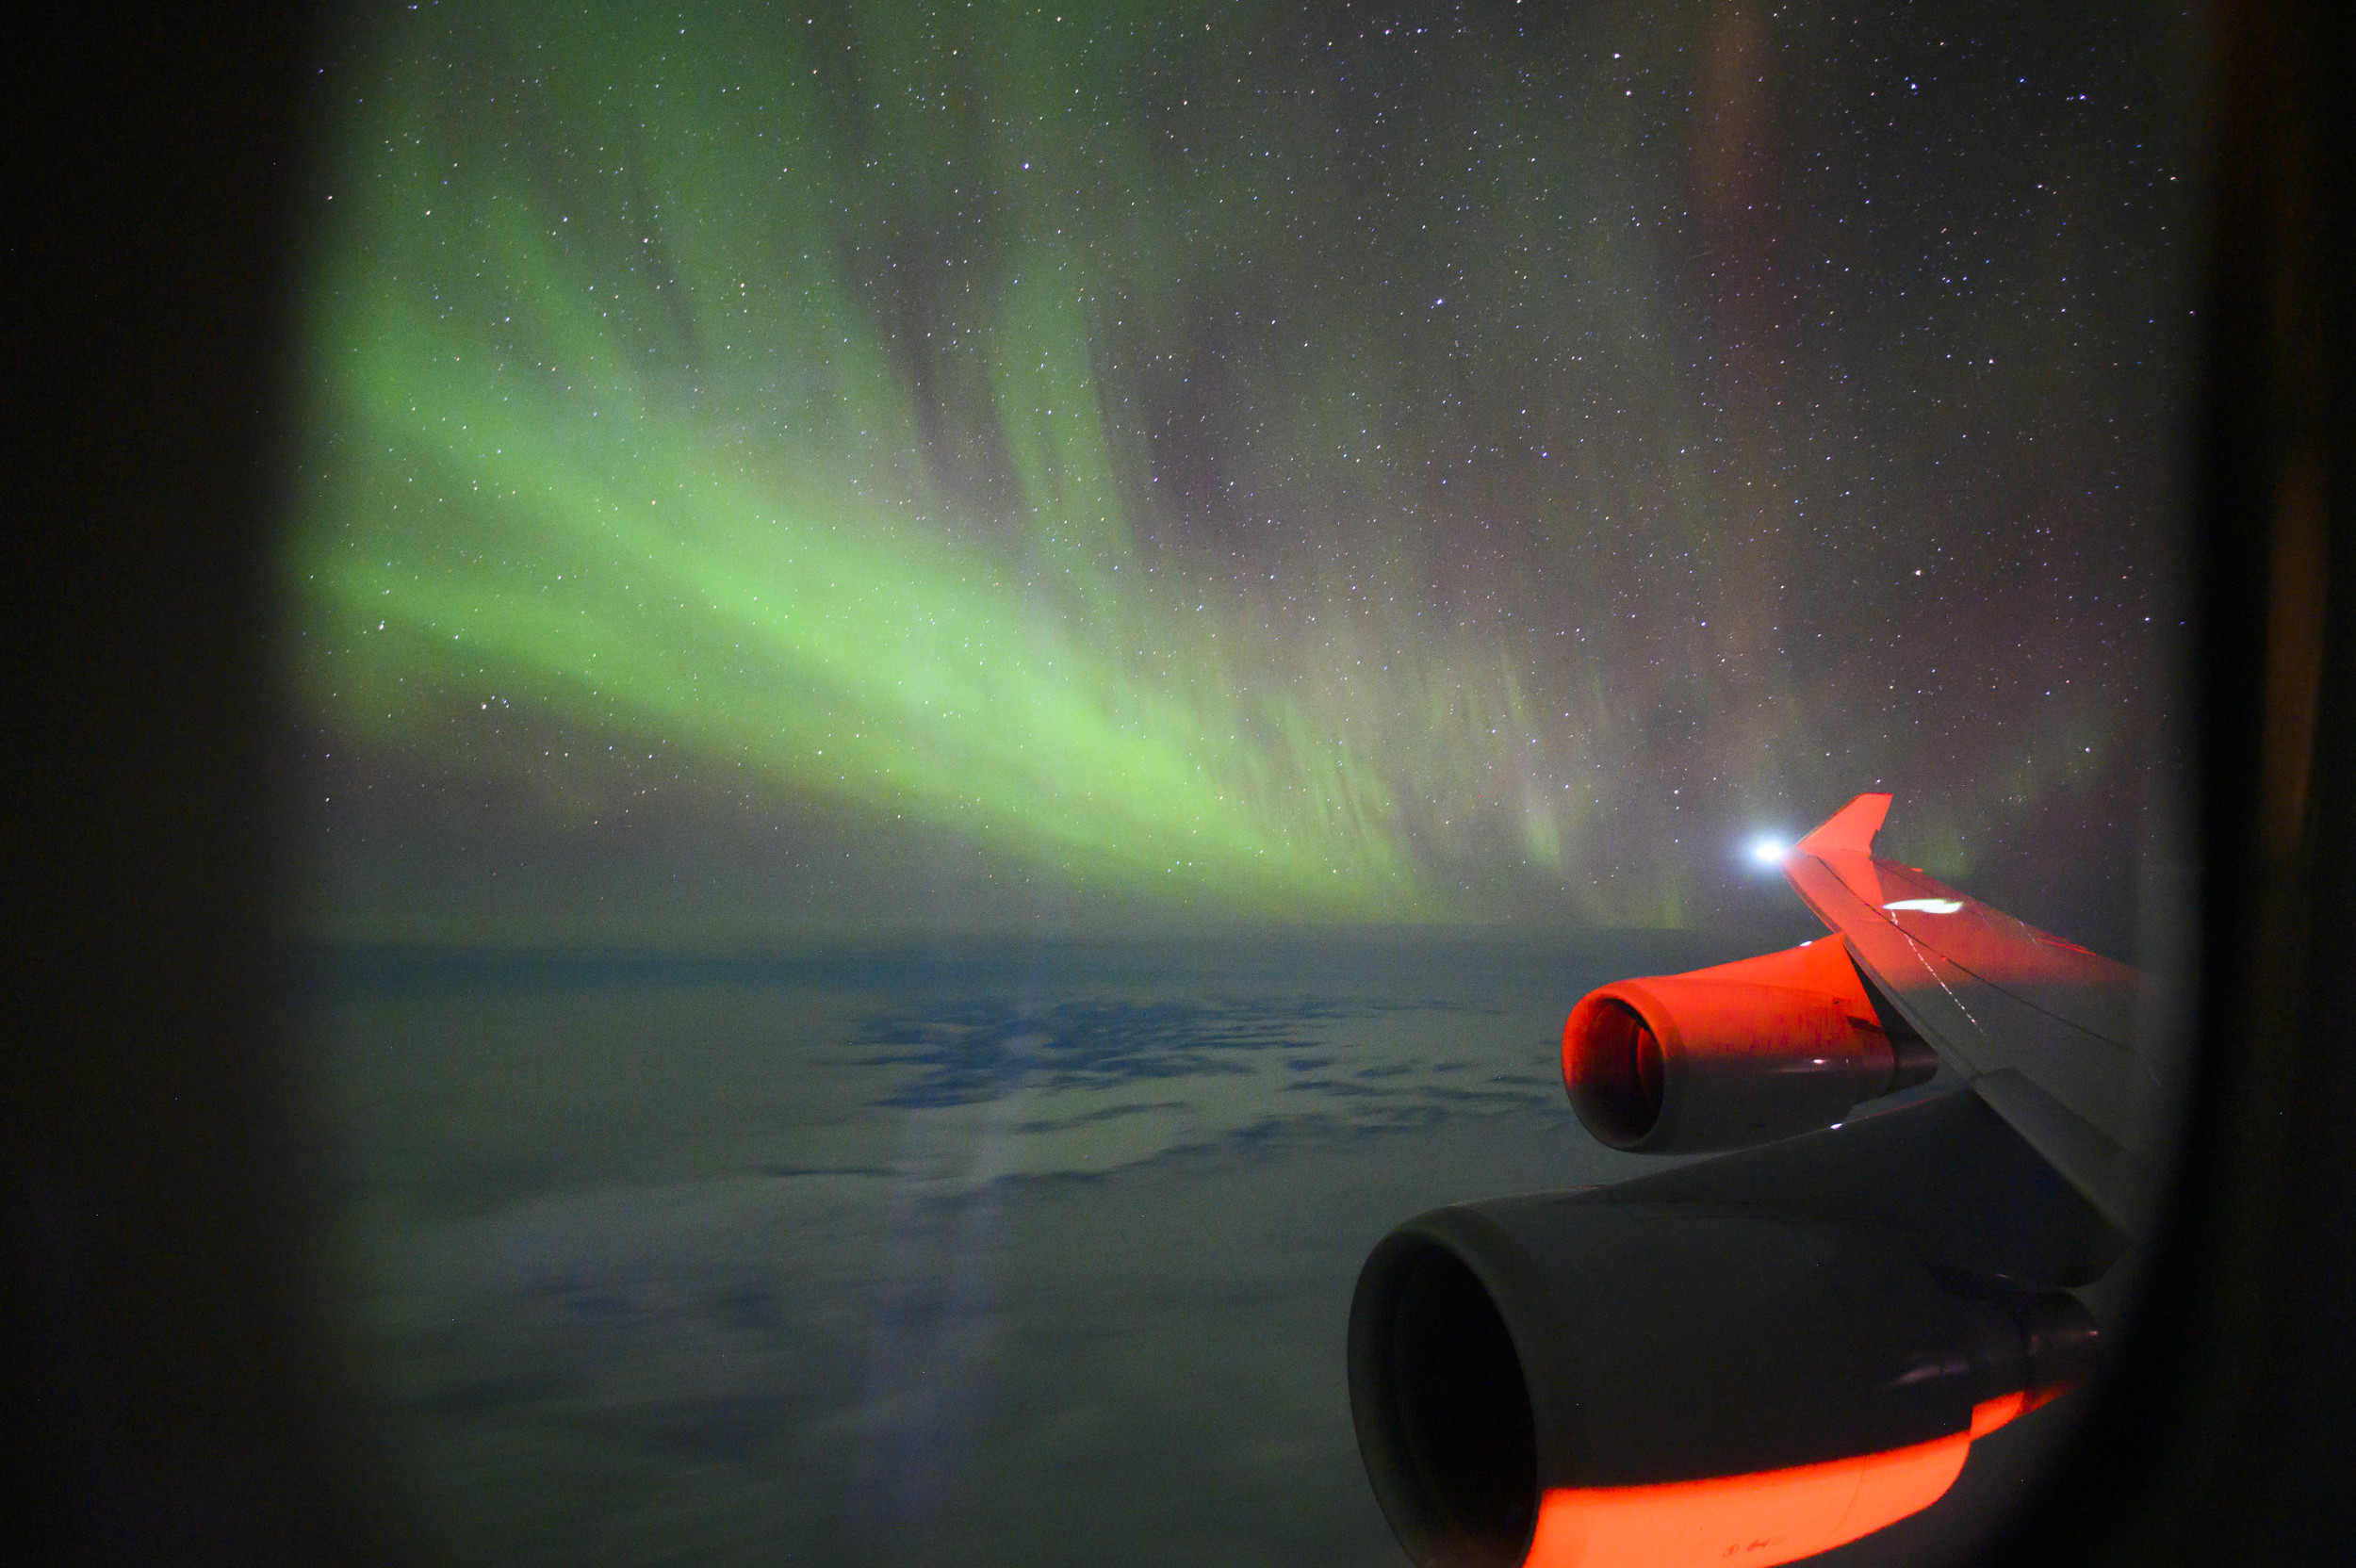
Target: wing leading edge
2040 1029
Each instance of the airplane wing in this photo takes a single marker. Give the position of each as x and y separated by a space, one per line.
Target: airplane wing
1759 1357
2042 1029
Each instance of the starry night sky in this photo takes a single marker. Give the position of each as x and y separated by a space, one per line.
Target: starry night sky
770 471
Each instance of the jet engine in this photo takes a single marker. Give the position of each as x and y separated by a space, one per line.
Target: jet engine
1737 1054
1567 1379
1759 1356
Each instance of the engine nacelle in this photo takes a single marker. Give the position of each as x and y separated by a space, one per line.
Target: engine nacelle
1736 1054
1560 1379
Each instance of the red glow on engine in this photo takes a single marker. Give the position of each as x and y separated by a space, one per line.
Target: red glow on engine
1757 1520
1752 1050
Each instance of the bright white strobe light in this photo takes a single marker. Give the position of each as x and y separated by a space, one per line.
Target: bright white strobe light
1769 850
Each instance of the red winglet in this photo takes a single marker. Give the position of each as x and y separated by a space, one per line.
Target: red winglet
1851 827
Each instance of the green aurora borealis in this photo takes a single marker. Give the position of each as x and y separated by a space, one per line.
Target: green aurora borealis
962 463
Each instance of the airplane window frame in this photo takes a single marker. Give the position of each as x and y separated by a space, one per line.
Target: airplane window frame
167 1373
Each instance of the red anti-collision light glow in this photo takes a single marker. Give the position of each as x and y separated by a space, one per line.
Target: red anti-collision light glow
1756 1520
1729 1055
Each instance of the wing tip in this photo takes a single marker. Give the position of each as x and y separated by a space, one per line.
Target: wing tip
1851 827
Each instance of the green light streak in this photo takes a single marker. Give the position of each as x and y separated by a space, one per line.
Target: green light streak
841 649
704 519
1079 434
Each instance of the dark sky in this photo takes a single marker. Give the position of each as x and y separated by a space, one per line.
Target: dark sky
773 471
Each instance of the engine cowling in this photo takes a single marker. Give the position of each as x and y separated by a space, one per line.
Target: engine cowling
1735 1054
1560 1380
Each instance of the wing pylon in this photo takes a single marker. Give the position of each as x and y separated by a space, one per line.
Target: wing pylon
2040 1029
